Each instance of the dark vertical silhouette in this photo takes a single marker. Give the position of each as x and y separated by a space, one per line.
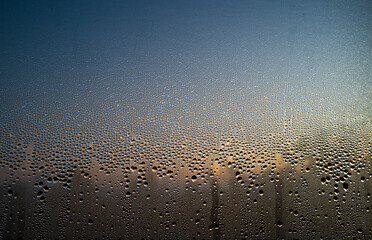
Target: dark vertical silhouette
214 209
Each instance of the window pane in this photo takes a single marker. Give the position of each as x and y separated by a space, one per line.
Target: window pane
185 119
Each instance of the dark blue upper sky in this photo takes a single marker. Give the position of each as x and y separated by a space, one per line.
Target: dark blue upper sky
86 43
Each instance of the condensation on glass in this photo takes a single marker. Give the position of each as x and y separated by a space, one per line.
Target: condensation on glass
185 120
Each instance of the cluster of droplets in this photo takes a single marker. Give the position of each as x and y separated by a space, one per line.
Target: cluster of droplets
195 161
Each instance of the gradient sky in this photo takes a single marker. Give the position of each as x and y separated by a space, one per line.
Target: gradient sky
58 49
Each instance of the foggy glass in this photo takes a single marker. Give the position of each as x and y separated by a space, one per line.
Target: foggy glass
185 119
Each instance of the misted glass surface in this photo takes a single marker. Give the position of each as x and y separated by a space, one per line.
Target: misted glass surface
185 119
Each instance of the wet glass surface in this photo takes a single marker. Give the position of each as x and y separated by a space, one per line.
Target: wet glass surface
185 120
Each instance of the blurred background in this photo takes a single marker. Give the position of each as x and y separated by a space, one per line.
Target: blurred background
185 119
